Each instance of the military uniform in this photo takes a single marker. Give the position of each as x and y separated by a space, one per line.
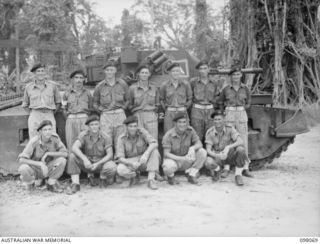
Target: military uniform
174 100
204 100
144 104
35 150
111 101
218 141
235 103
94 149
77 107
179 145
132 149
42 103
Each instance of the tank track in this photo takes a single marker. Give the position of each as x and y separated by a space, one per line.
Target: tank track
260 163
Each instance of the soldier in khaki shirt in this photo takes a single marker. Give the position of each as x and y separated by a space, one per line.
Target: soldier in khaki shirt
92 153
225 147
41 99
78 103
137 151
144 101
182 151
110 98
175 95
43 157
205 95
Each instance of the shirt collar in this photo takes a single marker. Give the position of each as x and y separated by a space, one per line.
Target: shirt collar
73 90
139 85
91 134
200 81
41 142
216 132
105 82
127 134
36 86
171 82
175 133
241 85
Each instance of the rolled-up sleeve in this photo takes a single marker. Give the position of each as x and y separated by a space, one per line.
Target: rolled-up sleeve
166 142
27 151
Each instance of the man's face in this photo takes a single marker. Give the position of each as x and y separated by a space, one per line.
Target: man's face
218 121
46 131
175 73
132 128
236 76
144 74
40 74
78 80
94 126
204 70
110 72
182 124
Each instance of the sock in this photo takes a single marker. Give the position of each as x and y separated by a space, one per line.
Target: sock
90 175
238 171
151 175
217 168
246 165
75 179
227 167
51 181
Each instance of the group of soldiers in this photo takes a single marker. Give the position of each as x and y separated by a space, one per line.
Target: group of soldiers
102 140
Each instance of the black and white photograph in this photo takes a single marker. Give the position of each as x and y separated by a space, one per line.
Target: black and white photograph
159 118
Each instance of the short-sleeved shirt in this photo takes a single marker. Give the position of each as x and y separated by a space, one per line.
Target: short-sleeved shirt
78 102
140 99
41 98
106 97
179 144
204 93
95 148
129 147
36 148
230 97
219 141
176 97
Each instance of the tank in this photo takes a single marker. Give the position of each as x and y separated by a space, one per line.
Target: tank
271 129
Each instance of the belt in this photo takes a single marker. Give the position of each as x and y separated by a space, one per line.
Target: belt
77 116
173 109
42 110
200 106
236 108
115 111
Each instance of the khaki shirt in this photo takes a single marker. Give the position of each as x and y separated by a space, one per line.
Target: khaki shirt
78 102
219 141
94 149
139 99
176 97
36 148
230 97
128 147
204 93
41 98
179 144
106 97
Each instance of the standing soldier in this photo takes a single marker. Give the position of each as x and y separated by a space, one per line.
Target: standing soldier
78 104
182 151
110 99
41 99
236 98
144 101
43 157
92 153
175 95
137 151
204 99
224 147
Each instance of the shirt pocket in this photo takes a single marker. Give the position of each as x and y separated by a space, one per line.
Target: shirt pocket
199 92
35 99
169 95
151 98
119 95
100 149
105 97
242 96
181 96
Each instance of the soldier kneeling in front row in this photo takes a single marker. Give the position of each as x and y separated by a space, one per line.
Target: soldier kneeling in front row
182 151
137 151
225 147
92 153
43 157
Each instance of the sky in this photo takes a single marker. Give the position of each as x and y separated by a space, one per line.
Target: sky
111 10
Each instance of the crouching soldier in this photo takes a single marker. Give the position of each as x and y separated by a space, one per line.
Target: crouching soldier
91 152
137 151
182 151
224 147
43 157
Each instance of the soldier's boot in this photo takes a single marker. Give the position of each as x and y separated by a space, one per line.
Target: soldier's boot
239 180
159 177
152 185
103 183
73 189
172 180
92 181
246 173
216 175
54 188
225 173
193 180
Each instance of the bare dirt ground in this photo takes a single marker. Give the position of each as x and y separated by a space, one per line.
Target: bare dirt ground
282 200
